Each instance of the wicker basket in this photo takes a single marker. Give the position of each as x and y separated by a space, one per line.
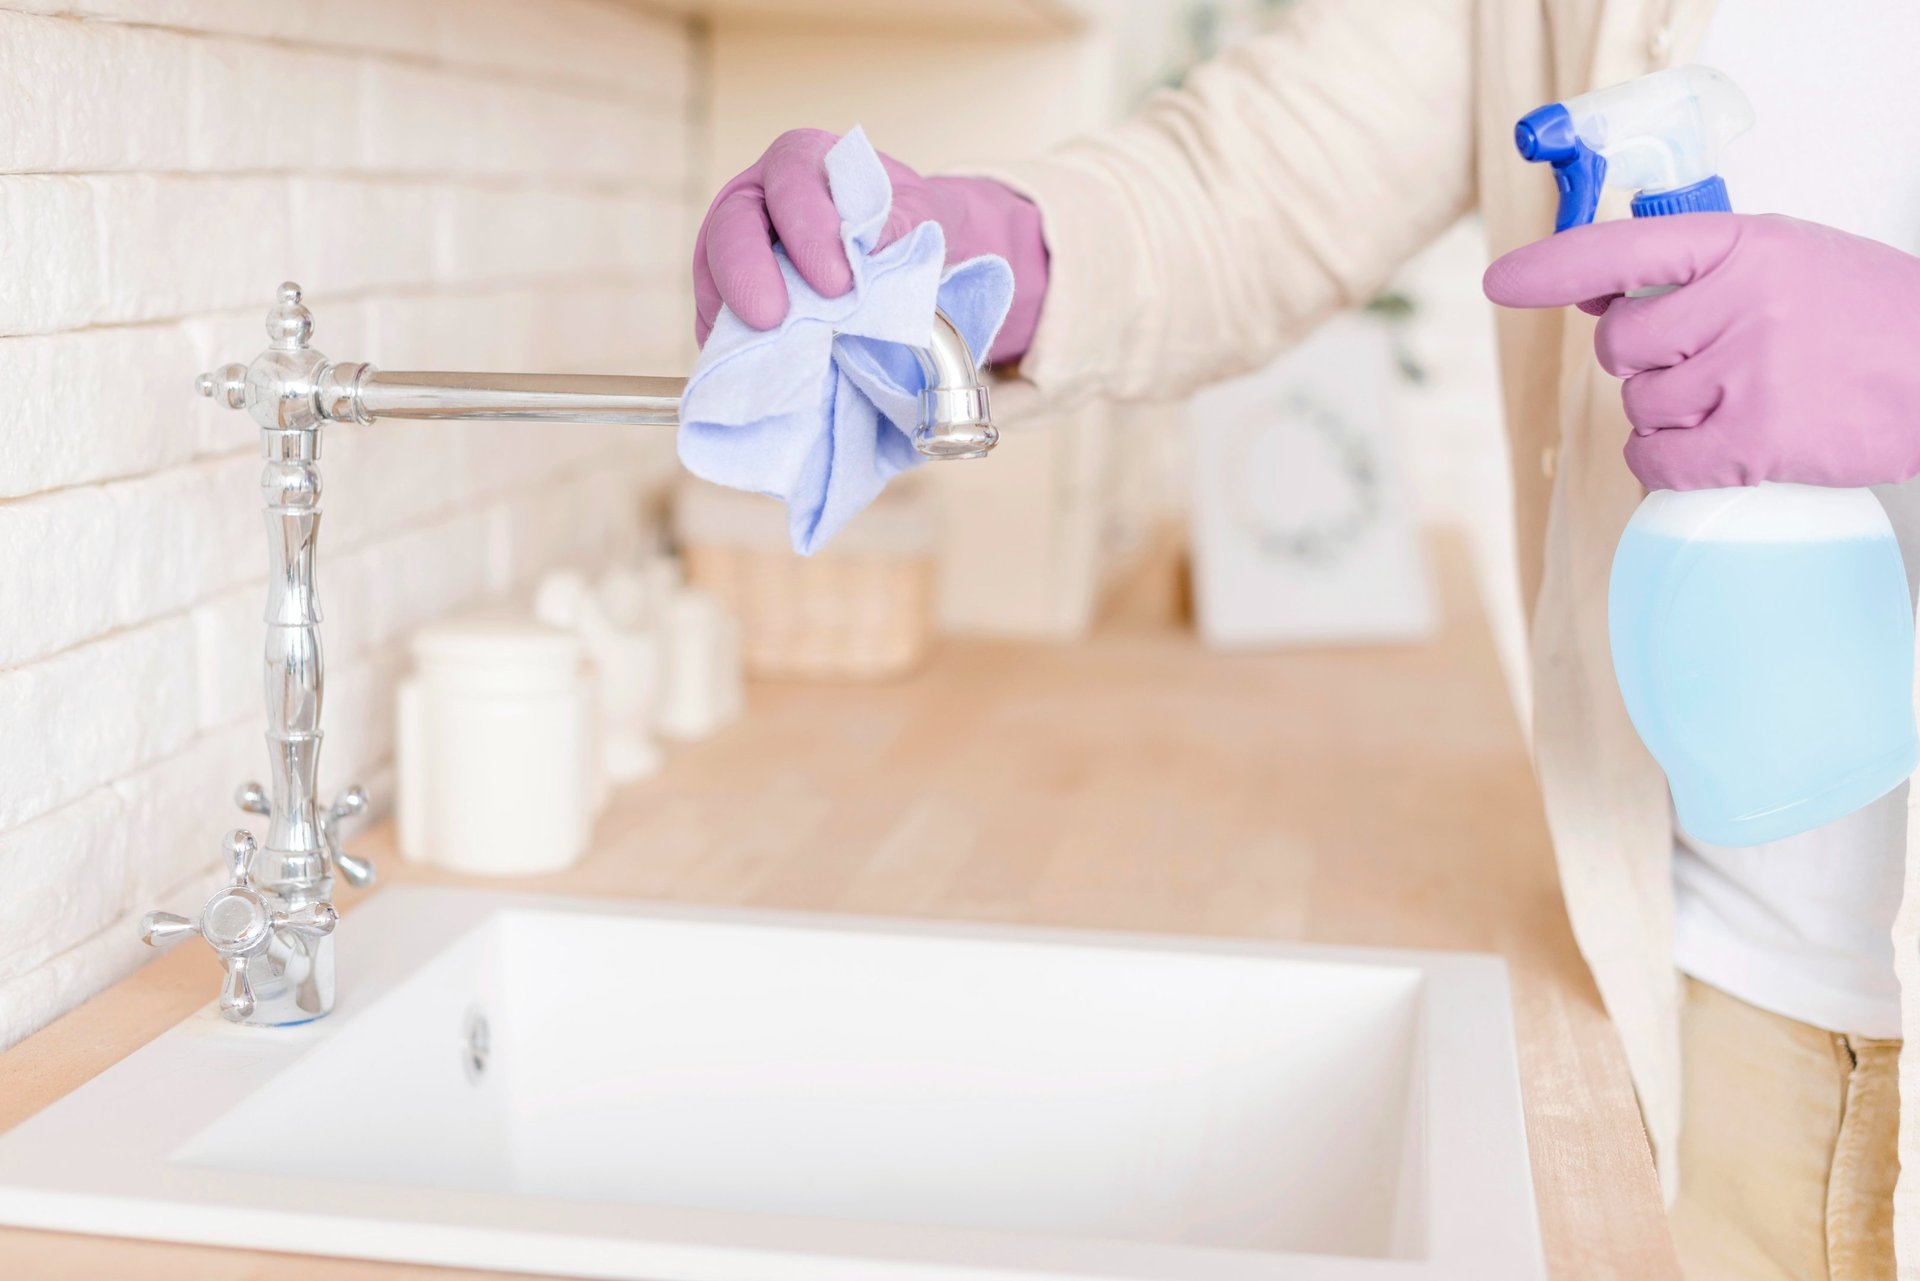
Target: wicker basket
861 609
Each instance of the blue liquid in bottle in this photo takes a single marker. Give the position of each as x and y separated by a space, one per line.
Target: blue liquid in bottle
1763 641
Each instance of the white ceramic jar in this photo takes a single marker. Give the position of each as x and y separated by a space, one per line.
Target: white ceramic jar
498 757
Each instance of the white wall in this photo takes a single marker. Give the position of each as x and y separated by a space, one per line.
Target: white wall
457 183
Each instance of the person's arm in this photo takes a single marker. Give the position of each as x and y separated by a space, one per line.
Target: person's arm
1285 181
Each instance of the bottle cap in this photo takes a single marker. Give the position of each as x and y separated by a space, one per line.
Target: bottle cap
1708 196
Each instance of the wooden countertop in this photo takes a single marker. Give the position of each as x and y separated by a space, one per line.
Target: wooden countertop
1135 782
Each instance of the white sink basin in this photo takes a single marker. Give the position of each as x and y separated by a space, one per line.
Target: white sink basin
704 1095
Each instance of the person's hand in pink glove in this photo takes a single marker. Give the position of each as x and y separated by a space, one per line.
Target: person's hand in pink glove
1789 352
783 196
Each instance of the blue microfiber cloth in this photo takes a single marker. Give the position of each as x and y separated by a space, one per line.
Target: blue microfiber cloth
820 412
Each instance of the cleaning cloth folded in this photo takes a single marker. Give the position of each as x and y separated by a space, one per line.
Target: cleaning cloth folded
819 412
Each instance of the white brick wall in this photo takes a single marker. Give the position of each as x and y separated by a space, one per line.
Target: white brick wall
457 183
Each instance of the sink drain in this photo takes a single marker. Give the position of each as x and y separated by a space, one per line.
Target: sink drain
477 1046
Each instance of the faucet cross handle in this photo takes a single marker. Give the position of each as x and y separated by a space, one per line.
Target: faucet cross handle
227 384
239 924
349 804
252 798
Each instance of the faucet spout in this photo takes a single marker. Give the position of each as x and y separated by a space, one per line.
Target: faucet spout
956 420
298 389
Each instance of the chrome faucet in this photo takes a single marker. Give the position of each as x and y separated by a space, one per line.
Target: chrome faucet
272 924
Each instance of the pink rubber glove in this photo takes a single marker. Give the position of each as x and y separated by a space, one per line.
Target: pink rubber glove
1790 352
784 196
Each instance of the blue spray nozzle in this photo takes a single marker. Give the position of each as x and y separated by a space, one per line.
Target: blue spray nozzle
1659 137
1547 135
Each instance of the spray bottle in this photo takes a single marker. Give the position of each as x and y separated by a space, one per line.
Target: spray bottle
1762 636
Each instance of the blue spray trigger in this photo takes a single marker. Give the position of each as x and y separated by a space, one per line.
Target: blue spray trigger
1547 135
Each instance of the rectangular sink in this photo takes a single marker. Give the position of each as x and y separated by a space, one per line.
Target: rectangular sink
599 1089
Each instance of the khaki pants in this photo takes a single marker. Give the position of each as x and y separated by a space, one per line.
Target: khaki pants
1787 1150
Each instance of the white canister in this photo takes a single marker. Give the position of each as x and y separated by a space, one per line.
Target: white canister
498 765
